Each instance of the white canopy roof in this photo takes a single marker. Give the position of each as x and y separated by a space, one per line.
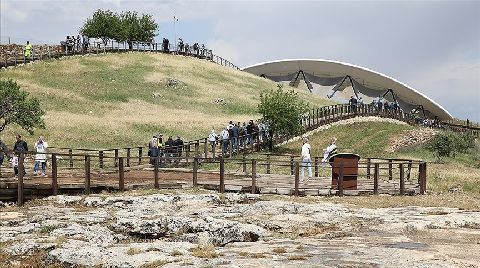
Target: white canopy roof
372 83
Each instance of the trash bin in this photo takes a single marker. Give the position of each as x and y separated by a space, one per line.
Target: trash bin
350 170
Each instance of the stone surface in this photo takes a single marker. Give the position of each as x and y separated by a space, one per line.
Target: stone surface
238 230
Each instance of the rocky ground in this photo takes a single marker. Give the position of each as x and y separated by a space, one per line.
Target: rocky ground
233 230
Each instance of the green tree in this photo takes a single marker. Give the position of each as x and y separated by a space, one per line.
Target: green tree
136 28
282 110
104 24
17 108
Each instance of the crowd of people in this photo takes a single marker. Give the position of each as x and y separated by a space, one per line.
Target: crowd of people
20 149
169 148
239 134
74 44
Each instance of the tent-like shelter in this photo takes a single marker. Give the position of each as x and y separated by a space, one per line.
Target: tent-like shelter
340 75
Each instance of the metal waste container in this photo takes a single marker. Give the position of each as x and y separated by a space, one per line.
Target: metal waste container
350 170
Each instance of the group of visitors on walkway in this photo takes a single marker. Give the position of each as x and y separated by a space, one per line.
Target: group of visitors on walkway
239 135
170 148
20 149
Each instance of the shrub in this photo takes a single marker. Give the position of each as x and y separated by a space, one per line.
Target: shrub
446 144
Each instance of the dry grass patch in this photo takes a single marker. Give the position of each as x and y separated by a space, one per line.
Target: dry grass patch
204 251
451 200
155 264
252 255
134 251
298 257
279 250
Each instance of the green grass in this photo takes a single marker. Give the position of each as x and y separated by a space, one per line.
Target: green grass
105 101
368 139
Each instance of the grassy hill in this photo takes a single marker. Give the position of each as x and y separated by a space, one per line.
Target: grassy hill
100 101
114 100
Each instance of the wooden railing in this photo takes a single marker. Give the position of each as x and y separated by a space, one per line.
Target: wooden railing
45 52
371 172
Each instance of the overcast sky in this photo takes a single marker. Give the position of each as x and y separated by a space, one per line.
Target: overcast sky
433 47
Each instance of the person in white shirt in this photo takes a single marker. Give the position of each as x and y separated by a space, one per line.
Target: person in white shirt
41 157
331 149
306 159
212 138
225 136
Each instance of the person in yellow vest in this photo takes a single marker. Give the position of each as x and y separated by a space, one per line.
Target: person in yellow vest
28 50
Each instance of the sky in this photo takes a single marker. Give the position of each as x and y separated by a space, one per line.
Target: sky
432 46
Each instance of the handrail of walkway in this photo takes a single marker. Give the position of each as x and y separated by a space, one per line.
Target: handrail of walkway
16 56
369 173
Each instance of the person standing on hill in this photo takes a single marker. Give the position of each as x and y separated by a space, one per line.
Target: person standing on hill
306 158
20 147
28 50
41 157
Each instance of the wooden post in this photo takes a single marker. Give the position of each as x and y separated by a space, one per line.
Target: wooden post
268 163
409 169
140 155
292 168
297 178
213 150
116 157
402 180
195 172
222 176
187 154
254 176
155 173
21 173
205 147
244 163
340 180
128 157
87 174
422 176
100 158
369 162
54 175
390 167
70 157
121 174
197 147
375 179
315 159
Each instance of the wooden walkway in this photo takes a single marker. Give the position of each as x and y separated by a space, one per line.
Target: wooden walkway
169 178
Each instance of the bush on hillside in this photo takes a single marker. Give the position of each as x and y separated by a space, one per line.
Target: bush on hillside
446 144
17 108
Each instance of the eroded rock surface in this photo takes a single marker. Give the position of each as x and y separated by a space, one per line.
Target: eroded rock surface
237 230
